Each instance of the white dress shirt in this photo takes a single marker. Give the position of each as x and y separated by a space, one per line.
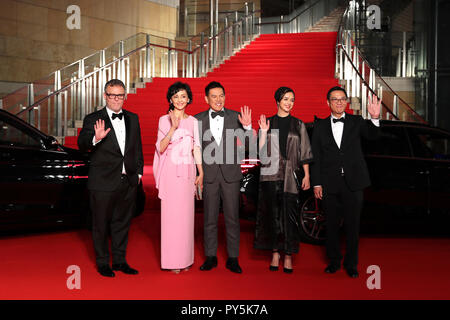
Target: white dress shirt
216 126
338 128
120 131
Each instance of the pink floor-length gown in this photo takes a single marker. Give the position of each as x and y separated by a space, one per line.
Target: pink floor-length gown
175 173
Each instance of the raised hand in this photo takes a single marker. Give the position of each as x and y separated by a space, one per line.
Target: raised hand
264 124
245 117
174 120
374 107
99 128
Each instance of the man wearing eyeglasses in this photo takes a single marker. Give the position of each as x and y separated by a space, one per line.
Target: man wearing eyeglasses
112 136
339 174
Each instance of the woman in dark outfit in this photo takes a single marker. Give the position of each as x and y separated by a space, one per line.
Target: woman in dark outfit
284 148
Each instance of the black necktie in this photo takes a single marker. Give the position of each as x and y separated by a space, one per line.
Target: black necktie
339 120
215 114
117 115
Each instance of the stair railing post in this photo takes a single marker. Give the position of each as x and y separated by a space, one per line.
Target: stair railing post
102 78
58 107
189 66
147 62
169 62
404 55
246 21
225 38
31 102
201 57
236 30
121 65
81 90
395 107
280 30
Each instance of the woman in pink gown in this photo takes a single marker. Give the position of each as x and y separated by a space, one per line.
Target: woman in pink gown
176 157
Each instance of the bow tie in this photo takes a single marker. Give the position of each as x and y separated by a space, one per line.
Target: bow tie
117 115
339 120
215 114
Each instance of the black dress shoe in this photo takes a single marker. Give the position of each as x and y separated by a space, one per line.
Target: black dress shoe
332 268
210 262
352 272
106 271
233 265
125 268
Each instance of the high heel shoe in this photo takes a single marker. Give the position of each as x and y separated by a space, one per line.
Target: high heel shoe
288 270
275 268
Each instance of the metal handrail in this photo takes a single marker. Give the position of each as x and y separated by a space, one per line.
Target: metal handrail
367 84
356 82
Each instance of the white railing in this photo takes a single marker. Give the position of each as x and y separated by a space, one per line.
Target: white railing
361 80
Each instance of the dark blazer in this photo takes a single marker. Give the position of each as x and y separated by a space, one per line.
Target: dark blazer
106 159
329 159
231 171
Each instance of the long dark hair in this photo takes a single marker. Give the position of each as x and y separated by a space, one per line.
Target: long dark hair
174 89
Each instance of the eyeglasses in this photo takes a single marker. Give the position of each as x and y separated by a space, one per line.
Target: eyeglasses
114 96
336 100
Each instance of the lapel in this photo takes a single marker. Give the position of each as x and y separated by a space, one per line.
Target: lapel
348 125
329 132
112 133
127 120
227 124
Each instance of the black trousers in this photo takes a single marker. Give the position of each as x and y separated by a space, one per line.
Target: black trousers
111 214
350 204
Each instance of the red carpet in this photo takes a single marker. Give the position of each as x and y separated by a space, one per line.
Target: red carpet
34 267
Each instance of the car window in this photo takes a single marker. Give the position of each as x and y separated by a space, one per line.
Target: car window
13 136
430 143
392 142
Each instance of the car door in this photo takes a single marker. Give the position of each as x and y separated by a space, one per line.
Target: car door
31 180
399 190
433 147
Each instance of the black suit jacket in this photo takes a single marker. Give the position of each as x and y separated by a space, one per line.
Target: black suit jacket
231 171
106 159
329 159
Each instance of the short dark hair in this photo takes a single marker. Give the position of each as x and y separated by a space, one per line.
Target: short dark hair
336 89
115 82
213 85
174 89
281 91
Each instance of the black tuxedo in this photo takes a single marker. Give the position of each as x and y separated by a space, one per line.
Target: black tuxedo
112 194
342 173
221 181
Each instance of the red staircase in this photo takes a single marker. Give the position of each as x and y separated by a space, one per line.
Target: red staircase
303 61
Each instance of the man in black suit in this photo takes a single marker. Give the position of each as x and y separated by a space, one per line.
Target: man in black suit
222 173
113 138
339 174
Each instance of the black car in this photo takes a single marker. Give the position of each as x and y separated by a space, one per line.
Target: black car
42 183
409 167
